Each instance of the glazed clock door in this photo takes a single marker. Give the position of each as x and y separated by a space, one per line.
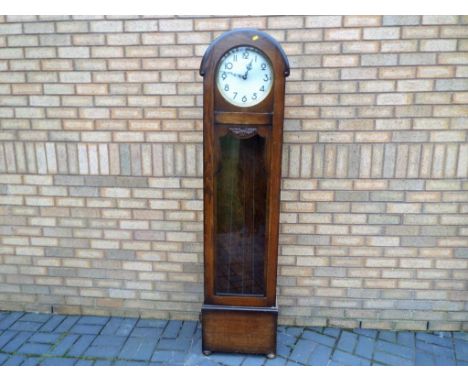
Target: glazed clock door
241 213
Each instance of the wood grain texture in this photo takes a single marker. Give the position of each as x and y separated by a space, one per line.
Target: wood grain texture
239 330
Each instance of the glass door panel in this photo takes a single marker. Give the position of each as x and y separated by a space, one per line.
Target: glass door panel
241 192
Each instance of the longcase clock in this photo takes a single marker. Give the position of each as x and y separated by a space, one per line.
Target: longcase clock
244 74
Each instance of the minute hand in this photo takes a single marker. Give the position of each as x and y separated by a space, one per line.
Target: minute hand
249 67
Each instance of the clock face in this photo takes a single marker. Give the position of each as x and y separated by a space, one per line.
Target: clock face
244 76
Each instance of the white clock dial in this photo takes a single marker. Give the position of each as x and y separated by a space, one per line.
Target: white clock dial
244 76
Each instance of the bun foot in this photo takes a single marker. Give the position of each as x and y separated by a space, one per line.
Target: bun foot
207 352
271 355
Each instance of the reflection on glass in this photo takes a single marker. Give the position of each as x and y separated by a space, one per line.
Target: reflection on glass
240 216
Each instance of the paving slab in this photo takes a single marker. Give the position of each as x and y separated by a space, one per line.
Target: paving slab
107 340
372 333
424 359
26 326
93 320
103 362
461 350
253 361
66 324
64 344
188 329
45 338
320 356
14 360
6 337
86 329
348 359
169 356
129 363
438 351
319 338
172 329
283 349
8 319
102 351
35 317
137 349
147 323
3 358
294 331
461 336
278 361
18 340
390 359
435 339
126 327
36 349
80 346
387 335
347 341
442 361
153 333
365 347
332 332
84 362
302 351
286 339
228 359
179 344
59 362
31 361
391 348
406 339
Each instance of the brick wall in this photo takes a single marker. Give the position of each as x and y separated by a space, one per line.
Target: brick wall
101 167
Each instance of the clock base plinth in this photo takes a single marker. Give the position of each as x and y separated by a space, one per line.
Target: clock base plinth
238 329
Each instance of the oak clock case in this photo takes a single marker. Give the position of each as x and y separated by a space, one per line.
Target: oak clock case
243 109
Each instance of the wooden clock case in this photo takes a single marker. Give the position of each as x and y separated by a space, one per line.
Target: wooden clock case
240 312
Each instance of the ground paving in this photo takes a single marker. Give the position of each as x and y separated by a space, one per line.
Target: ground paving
54 340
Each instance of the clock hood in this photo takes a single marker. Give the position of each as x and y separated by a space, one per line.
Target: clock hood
242 36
